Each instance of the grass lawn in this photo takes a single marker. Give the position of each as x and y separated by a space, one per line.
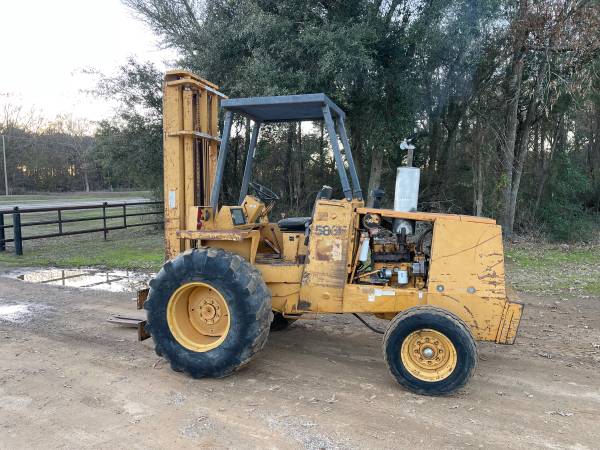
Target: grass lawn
134 248
554 269
138 248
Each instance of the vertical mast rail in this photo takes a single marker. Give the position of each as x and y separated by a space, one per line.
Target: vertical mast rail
216 187
249 162
357 191
336 152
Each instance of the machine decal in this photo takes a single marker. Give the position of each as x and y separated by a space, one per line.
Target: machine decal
381 293
326 230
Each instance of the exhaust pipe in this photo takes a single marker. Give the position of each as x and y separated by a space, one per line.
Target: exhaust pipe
406 195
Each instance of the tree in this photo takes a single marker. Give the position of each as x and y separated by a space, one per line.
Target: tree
499 94
129 146
541 35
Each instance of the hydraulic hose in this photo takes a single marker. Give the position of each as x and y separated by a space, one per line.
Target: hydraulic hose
367 325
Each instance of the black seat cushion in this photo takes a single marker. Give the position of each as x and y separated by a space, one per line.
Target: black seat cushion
293 223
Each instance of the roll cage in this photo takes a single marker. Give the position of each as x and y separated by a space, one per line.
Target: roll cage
286 108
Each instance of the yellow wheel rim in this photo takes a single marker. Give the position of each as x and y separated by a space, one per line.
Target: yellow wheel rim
428 355
198 316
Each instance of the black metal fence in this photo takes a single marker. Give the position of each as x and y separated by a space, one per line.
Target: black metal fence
108 213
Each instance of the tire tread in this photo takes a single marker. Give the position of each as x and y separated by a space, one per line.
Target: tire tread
193 264
436 311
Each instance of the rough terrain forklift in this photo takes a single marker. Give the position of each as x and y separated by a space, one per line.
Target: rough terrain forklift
232 275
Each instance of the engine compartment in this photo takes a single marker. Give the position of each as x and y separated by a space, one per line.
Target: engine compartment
386 257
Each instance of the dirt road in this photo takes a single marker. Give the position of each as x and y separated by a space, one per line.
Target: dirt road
68 379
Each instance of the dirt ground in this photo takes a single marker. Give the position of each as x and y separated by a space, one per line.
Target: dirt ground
69 379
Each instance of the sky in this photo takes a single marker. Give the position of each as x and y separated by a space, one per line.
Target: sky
45 45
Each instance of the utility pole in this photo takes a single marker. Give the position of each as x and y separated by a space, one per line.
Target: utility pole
5 173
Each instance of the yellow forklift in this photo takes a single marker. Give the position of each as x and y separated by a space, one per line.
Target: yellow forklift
232 275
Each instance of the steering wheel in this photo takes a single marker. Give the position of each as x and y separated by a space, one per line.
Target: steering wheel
263 193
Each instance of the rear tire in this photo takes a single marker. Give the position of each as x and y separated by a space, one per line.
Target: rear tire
429 351
245 305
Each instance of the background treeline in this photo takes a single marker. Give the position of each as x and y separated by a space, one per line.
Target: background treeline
64 154
46 156
502 98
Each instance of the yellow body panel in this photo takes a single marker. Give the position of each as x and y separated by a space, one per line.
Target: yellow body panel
293 246
467 257
329 257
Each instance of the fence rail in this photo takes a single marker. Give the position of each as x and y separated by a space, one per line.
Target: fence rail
108 213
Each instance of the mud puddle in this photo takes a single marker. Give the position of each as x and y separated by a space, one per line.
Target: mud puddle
105 280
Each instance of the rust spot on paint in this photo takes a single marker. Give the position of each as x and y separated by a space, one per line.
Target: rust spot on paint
324 250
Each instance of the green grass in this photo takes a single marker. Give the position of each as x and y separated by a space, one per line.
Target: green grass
136 248
552 257
547 269
592 287
133 248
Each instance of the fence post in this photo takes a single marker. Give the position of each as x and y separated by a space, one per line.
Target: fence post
104 219
59 221
125 215
2 234
17 231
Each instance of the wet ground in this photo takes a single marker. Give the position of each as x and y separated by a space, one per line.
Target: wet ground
104 280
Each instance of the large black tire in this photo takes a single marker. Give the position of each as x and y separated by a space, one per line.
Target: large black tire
246 296
442 321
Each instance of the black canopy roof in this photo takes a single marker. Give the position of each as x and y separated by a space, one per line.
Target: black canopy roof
283 108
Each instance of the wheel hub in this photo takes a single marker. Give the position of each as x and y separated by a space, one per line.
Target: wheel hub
209 311
428 355
198 316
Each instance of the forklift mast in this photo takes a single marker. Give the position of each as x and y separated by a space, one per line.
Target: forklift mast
191 139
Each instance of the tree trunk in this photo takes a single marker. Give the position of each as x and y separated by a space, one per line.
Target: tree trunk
246 146
300 184
86 180
512 92
546 161
434 151
375 174
508 155
478 186
452 121
522 144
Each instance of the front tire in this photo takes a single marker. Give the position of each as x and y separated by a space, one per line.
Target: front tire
429 351
208 312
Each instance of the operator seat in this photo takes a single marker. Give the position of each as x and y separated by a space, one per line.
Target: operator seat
301 223
293 223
